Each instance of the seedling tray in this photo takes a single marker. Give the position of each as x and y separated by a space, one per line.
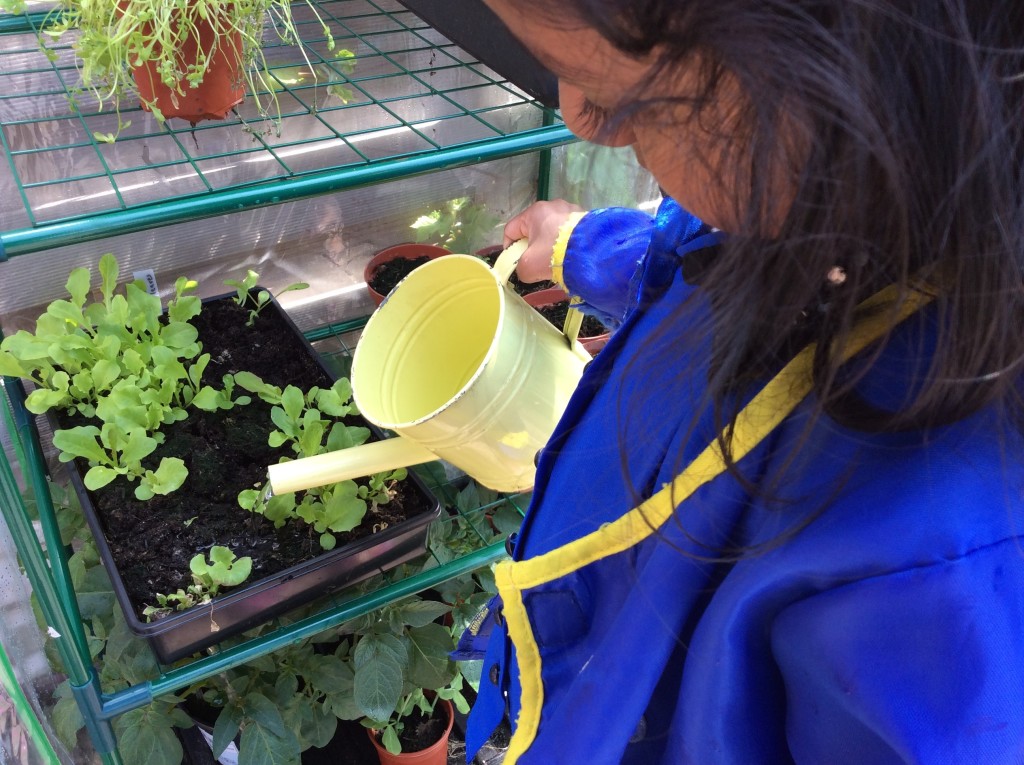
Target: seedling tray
182 633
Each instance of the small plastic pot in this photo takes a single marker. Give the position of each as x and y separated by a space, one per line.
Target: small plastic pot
407 251
435 754
554 295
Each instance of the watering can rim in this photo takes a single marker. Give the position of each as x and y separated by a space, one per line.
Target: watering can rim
488 356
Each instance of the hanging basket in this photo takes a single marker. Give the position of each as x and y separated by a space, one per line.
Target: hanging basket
222 87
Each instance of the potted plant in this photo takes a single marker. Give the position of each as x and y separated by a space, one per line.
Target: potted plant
553 304
180 58
171 426
392 264
456 226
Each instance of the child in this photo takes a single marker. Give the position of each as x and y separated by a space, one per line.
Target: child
779 521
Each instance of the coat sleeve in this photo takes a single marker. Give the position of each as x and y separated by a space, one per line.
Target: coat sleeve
603 255
921 666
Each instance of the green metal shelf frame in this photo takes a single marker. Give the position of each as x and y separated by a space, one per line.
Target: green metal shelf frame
51 581
48 573
294 184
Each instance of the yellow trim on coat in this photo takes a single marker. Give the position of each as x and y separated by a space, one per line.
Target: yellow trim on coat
561 245
759 417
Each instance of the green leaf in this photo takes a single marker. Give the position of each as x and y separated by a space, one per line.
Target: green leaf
179 334
10 366
422 612
313 723
331 674
226 728
67 718
41 400
170 475
144 736
138 447
286 686
429 665
343 511
80 441
98 477
389 739
108 274
208 399
95 592
78 285
344 436
267 741
292 401
378 675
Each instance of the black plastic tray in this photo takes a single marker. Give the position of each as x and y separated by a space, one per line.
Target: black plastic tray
183 633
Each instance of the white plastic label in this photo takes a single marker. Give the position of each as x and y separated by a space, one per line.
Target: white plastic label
229 755
147 277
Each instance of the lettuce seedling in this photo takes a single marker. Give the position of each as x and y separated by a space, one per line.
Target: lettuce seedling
122 360
112 452
244 295
208 577
300 423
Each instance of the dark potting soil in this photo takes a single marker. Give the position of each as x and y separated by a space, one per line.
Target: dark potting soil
556 313
152 542
421 731
390 273
520 288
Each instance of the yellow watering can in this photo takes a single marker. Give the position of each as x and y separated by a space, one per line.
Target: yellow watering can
461 368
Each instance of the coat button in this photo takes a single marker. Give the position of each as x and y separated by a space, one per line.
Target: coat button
536 457
494 674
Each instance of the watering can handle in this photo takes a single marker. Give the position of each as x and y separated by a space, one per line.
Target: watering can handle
504 266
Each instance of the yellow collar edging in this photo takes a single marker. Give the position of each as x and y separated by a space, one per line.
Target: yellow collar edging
759 417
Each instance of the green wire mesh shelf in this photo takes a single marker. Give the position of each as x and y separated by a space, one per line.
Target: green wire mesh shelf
406 102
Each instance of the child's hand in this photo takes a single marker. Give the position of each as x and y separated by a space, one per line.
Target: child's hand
539 223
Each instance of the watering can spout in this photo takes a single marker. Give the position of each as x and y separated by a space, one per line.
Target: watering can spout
346 464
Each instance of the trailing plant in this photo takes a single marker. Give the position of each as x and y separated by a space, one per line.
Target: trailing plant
459 225
208 577
244 294
312 423
117 36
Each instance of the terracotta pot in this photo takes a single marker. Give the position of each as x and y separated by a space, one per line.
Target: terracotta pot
408 251
490 254
222 88
554 295
435 754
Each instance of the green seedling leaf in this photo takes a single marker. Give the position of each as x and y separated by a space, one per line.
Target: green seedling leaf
78 285
109 271
292 401
343 511
170 475
80 441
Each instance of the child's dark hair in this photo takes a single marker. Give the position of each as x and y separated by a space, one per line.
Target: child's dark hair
902 128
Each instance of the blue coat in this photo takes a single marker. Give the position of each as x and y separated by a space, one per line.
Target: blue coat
890 630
